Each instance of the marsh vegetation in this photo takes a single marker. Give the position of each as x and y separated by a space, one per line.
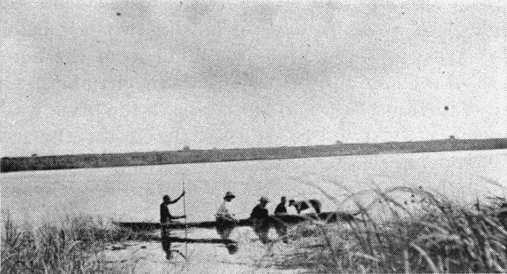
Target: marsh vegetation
429 234
73 245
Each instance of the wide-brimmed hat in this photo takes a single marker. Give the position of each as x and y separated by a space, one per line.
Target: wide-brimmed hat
229 194
264 199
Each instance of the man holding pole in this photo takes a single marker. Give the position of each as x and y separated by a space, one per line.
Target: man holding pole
165 218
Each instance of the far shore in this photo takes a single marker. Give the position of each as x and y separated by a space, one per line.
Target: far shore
187 155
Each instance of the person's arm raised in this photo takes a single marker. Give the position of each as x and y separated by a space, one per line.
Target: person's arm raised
177 199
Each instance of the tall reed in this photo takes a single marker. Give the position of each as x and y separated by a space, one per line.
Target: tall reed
429 234
75 245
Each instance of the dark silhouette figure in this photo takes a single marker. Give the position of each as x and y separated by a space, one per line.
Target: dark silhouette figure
280 208
280 227
165 218
260 220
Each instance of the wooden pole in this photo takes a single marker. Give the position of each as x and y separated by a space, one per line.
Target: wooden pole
185 213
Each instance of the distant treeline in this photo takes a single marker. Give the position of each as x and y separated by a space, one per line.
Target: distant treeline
243 154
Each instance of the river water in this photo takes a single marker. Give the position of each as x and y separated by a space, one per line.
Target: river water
134 193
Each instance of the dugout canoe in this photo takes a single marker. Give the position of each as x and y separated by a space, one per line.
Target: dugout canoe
288 219
201 241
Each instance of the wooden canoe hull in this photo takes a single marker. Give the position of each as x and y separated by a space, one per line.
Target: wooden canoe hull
201 241
274 220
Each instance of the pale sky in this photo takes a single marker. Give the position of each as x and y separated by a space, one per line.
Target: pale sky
120 76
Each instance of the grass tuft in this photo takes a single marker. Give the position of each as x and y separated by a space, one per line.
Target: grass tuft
431 235
75 245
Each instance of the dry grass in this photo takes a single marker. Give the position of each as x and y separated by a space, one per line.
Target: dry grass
75 245
431 235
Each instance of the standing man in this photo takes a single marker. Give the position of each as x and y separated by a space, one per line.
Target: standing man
280 227
165 218
260 219
225 221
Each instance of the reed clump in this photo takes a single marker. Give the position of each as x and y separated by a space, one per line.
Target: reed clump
74 245
430 234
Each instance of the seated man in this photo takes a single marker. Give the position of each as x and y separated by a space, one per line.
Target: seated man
225 221
280 208
281 228
260 219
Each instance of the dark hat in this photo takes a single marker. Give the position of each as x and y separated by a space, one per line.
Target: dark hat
264 199
229 194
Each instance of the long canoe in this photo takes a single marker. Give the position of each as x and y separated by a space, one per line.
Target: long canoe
201 241
287 219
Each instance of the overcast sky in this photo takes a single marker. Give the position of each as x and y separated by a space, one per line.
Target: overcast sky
118 76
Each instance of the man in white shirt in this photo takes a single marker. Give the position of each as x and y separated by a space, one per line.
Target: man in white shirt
225 221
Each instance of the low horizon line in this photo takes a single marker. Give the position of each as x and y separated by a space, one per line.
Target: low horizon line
338 142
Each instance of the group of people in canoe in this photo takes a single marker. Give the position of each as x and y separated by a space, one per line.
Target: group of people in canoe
226 221
260 216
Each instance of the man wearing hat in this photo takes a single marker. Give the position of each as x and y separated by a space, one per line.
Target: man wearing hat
280 226
165 218
260 219
225 221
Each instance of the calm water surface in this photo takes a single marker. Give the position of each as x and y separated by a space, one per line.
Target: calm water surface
134 193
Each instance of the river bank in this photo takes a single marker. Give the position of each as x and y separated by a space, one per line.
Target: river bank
11 164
